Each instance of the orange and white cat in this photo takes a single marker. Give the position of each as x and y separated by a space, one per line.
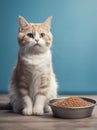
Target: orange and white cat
33 81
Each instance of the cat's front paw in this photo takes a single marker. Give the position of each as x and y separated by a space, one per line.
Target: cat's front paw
27 111
38 111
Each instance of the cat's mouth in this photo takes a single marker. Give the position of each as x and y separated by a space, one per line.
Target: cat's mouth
37 45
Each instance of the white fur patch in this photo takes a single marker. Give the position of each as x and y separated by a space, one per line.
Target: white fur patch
37 35
37 59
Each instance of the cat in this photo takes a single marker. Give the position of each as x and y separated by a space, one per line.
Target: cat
33 81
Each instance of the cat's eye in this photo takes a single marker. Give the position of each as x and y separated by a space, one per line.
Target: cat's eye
30 35
42 34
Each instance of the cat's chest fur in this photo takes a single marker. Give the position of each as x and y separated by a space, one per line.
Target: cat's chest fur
37 65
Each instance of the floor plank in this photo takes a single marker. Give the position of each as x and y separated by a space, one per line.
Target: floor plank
10 120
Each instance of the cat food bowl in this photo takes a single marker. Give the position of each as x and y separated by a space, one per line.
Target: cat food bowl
72 112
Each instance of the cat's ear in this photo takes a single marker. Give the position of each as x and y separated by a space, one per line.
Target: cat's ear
47 22
22 22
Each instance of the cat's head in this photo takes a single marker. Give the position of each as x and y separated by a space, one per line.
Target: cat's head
34 38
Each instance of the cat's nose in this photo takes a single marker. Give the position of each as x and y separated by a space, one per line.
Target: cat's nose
37 40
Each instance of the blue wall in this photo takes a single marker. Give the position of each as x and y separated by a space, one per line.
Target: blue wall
75 40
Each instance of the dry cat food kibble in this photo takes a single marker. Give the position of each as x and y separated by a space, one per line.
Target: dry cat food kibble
72 102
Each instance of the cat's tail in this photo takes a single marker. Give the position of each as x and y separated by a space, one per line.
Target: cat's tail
5 106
